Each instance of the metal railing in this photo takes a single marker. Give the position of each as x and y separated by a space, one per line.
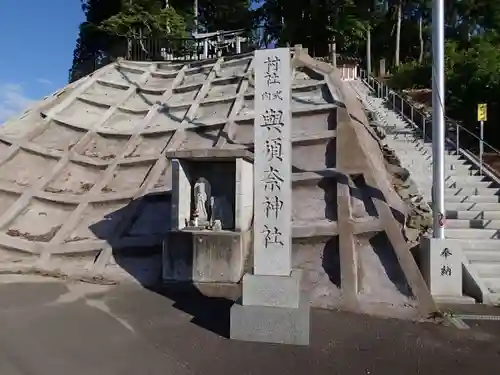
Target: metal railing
197 47
458 138
201 47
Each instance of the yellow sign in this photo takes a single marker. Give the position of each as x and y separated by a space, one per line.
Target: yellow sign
482 112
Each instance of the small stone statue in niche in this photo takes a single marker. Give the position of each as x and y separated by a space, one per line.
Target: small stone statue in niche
202 192
221 211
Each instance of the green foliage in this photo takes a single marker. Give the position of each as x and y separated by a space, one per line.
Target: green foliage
225 14
315 24
411 75
472 35
109 23
146 19
92 42
472 77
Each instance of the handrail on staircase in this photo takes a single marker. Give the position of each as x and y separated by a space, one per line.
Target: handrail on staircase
423 122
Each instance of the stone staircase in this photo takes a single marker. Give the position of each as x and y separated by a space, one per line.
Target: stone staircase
472 201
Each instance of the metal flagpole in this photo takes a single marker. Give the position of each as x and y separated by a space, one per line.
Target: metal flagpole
438 123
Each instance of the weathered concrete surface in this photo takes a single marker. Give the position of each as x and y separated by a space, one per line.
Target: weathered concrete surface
85 185
48 328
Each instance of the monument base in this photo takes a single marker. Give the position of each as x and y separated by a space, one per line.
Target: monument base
273 309
454 300
205 256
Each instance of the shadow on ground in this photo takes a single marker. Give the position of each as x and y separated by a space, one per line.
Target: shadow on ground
142 260
210 313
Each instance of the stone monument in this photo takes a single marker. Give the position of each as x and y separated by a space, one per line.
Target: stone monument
442 269
272 308
202 195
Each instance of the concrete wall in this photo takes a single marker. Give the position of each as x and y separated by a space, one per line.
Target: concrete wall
244 195
181 195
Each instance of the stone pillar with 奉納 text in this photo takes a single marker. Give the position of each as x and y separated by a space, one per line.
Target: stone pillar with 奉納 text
273 307
441 263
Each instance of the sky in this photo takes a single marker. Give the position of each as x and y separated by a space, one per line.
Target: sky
37 38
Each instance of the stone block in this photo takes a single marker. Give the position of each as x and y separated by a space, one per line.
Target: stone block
177 262
272 291
280 325
205 256
244 195
442 266
181 195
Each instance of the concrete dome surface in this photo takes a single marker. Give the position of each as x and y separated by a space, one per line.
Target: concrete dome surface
83 171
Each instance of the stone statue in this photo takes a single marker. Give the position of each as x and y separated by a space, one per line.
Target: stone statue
221 210
202 192
217 225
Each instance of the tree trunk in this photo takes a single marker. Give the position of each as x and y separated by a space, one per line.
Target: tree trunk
421 38
398 32
369 50
129 48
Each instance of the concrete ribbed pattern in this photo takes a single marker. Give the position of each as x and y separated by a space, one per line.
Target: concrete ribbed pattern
83 172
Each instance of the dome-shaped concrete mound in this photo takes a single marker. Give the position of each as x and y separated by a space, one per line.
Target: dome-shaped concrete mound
84 173
84 170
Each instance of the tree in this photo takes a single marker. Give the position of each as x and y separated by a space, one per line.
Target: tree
112 24
399 13
92 41
144 19
215 15
315 24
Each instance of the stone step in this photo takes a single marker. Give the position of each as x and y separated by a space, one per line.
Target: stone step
464 170
471 206
473 224
472 201
407 152
461 172
462 165
470 179
487 256
448 172
472 234
471 215
467 182
427 185
469 245
493 284
487 270
467 178
471 198
472 191
404 148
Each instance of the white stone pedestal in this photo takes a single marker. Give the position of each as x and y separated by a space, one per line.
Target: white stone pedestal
442 270
273 309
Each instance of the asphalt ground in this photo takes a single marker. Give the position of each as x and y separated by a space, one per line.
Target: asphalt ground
56 328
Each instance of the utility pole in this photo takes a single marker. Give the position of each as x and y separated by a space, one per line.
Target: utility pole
438 123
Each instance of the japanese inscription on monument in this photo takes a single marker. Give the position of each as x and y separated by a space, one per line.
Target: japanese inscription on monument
272 174
442 266
445 268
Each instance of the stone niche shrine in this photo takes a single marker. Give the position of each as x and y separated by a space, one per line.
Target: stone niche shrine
212 211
